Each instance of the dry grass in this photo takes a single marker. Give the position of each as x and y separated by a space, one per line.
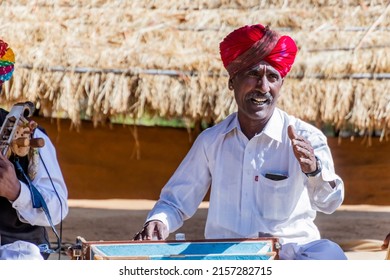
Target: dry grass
95 58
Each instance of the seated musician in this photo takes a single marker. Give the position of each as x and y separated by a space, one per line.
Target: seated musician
23 233
268 171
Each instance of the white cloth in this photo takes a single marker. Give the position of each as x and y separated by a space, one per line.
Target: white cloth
20 250
56 197
322 249
243 201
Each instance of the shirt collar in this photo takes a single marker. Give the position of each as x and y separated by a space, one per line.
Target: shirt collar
273 129
232 123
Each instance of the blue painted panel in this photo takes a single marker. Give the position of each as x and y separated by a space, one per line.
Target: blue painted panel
187 250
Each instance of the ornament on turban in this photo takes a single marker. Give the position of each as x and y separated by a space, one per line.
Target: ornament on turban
7 61
247 46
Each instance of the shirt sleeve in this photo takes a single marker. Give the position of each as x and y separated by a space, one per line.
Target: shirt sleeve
323 196
50 183
185 190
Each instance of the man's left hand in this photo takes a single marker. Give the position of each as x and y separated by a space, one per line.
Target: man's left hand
303 151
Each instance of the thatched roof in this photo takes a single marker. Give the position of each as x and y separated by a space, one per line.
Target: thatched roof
104 58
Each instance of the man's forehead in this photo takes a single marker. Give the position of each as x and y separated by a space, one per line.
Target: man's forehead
260 66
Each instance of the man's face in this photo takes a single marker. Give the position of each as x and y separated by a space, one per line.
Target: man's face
256 91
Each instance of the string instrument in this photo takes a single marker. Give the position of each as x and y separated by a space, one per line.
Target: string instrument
16 131
16 139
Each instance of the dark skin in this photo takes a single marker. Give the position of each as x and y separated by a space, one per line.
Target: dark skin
152 229
256 92
9 183
386 241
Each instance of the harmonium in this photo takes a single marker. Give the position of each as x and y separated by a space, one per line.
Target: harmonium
209 249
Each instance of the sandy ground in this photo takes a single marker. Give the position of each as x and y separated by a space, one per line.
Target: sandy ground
359 229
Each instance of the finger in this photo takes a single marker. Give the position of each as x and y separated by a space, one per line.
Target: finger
2 157
148 231
291 132
4 162
32 125
295 138
161 231
304 151
306 161
306 165
303 143
386 242
160 235
137 236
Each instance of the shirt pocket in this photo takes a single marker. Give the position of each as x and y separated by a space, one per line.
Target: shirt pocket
274 199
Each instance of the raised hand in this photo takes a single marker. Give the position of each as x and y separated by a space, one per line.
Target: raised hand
303 151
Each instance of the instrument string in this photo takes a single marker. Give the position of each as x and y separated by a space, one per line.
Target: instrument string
39 202
59 237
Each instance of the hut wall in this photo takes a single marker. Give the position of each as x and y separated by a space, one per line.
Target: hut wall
101 163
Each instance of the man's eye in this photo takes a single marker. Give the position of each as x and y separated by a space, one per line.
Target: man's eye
253 74
273 77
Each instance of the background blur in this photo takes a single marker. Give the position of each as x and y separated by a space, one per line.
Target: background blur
124 87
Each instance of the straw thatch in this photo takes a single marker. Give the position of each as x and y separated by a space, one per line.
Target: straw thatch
99 59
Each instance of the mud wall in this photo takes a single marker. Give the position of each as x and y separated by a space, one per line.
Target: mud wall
101 163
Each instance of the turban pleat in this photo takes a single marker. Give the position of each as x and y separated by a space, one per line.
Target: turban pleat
247 46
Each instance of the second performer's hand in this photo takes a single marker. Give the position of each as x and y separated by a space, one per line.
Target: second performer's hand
154 229
9 183
386 242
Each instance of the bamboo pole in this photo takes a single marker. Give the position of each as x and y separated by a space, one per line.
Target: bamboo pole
177 73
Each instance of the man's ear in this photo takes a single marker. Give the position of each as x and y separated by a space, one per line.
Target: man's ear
230 84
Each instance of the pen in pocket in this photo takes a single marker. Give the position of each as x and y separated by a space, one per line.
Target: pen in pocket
275 177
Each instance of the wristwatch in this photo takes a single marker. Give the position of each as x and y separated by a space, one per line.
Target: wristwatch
318 170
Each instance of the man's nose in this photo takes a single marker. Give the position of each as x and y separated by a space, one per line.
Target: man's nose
263 84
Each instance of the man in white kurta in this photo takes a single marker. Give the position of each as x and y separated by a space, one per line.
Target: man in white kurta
267 171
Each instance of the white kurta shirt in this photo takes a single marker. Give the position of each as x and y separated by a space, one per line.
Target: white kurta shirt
54 191
243 202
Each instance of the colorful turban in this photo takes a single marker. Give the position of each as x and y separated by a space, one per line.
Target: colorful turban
247 46
7 61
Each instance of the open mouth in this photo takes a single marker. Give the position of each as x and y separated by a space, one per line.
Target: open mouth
259 100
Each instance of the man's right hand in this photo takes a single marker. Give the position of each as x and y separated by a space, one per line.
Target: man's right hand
154 229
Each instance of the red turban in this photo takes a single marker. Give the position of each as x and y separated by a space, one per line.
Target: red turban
7 61
247 46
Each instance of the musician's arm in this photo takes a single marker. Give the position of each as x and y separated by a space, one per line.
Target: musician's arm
51 185
182 195
185 190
